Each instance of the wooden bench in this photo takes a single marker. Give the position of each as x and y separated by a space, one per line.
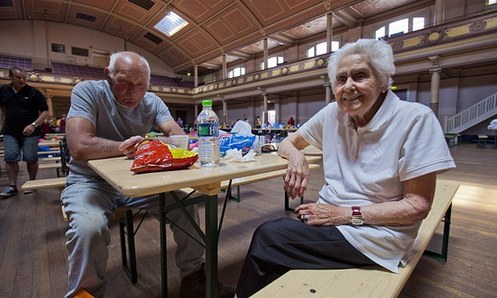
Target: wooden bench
368 281
58 182
53 165
50 159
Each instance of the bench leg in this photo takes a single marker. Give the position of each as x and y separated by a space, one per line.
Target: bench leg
127 233
445 241
287 202
231 197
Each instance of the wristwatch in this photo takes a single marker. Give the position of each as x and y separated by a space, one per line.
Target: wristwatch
357 219
34 124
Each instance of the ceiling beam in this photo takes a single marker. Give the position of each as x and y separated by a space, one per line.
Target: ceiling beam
345 17
283 39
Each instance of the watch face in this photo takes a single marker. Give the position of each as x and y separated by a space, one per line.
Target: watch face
357 221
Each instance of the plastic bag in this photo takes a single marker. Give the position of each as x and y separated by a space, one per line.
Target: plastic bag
154 155
233 141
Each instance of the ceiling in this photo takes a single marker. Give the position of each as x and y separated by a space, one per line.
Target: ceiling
216 27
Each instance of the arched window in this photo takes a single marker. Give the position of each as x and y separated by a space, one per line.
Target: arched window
400 26
236 72
273 61
320 49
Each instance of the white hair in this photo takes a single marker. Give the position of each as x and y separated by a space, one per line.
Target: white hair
377 52
122 55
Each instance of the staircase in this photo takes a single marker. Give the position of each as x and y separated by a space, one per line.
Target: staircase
473 115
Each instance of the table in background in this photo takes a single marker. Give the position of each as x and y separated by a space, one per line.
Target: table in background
116 171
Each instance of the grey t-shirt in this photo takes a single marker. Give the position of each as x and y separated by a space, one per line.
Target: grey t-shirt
94 101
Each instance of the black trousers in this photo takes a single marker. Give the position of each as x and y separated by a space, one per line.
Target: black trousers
283 244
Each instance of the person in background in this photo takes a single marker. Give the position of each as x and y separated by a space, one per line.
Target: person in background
258 122
45 128
180 122
62 123
379 179
108 118
290 123
25 109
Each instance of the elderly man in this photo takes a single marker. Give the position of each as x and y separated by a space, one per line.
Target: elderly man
108 118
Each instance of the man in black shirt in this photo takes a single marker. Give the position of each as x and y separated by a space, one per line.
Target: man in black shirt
24 109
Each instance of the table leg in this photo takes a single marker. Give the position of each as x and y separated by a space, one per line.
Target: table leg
211 246
163 243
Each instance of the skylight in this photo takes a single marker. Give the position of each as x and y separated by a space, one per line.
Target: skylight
171 24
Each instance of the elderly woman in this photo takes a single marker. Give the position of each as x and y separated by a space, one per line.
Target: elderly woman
381 157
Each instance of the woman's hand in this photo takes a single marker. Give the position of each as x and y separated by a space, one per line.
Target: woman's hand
128 146
297 172
321 214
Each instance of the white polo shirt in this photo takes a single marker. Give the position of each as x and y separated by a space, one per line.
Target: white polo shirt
403 141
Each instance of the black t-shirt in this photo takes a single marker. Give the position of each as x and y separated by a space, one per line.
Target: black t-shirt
21 108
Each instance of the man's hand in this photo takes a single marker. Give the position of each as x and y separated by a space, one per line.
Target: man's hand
28 130
128 146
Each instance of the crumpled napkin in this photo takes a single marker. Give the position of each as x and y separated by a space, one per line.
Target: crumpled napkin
235 155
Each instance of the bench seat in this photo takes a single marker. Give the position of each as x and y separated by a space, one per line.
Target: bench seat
52 165
58 182
368 281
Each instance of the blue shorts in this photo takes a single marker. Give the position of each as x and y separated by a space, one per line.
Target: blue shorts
13 146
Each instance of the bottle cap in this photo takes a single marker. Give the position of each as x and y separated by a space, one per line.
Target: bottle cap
207 103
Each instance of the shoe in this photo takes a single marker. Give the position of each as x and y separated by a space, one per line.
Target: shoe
193 286
9 191
28 191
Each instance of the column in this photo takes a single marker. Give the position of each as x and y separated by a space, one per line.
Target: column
329 31
195 75
225 111
49 103
196 110
265 108
439 8
264 117
327 86
435 84
225 69
266 53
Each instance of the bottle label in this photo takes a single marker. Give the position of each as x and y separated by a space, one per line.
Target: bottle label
208 129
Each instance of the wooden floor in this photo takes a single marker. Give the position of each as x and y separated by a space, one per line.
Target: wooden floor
33 255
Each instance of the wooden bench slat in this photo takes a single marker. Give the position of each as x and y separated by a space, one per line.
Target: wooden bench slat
363 282
44 183
52 165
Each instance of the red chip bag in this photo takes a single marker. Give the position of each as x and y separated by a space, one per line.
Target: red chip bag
154 155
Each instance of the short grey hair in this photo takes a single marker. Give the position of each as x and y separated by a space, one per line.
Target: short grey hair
115 56
377 52
13 69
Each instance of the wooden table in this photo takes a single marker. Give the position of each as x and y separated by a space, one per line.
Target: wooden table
116 171
312 151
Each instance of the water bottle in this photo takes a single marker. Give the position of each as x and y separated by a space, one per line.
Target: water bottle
208 136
